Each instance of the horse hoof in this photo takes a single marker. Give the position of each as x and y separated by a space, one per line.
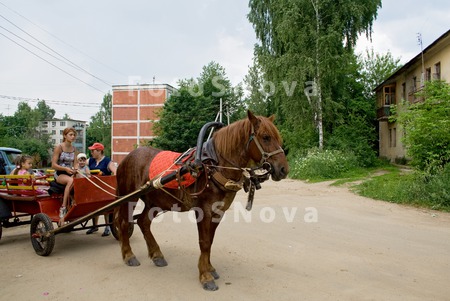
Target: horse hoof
160 262
210 286
215 275
133 262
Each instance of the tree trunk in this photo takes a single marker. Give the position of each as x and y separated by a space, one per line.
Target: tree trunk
317 78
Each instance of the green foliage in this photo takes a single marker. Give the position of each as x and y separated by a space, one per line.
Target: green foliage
181 119
417 188
257 101
99 129
195 103
358 137
374 69
427 127
321 165
21 131
304 50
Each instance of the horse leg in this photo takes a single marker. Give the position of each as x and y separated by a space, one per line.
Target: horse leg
206 230
212 232
121 223
154 252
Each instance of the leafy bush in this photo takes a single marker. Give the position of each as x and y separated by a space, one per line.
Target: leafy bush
417 188
426 125
321 165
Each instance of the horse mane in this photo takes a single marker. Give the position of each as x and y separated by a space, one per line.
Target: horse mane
229 140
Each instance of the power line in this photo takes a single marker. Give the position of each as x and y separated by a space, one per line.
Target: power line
60 40
73 76
57 102
71 64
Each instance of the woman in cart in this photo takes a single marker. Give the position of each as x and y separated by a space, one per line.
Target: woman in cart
107 167
65 166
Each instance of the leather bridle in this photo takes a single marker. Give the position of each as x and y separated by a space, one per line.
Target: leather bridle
264 155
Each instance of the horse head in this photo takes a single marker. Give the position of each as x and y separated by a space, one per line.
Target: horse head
264 146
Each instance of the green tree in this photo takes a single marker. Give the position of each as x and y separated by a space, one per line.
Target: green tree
21 131
374 69
182 117
99 129
257 101
195 103
304 46
426 125
45 112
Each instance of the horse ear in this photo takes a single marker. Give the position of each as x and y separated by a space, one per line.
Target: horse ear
272 118
253 119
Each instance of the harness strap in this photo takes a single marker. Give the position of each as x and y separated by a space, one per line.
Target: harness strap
225 184
264 155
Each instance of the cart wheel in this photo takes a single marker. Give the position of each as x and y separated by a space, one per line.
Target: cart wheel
115 231
40 225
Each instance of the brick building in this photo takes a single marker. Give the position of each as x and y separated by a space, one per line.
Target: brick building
134 110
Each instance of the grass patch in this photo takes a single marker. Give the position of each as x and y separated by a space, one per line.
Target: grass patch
361 174
417 189
383 182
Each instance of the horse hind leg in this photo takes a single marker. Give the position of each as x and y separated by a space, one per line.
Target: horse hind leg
121 222
145 222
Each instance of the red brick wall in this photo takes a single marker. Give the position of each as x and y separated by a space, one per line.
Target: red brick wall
125 116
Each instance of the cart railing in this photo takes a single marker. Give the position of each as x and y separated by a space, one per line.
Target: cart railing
26 185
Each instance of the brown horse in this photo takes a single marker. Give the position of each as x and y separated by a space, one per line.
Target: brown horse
253 141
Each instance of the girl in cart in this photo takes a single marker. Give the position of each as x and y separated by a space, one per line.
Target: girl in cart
24 163
65 166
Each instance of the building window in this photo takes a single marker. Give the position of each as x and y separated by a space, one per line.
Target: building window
428 74
53 132
389 95
62 123
53 123
437 71
53 141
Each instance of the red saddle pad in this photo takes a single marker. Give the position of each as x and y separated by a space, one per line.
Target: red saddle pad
163 164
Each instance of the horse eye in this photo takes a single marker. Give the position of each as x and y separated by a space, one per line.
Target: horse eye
266 138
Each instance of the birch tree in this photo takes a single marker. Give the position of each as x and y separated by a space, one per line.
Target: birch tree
304 44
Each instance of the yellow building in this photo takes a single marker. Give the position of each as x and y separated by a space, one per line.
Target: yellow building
433 63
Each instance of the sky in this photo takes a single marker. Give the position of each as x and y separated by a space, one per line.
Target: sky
77 50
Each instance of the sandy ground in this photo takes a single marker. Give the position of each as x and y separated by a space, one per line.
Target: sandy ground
300 242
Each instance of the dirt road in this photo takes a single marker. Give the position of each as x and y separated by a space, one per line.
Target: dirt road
300 242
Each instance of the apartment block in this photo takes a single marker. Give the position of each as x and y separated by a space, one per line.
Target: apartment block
431 64
134 111
55 129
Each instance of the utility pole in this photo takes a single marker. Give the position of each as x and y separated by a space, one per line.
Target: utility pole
422 77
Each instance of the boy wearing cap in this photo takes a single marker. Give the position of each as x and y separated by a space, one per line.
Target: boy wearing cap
107 167
83 169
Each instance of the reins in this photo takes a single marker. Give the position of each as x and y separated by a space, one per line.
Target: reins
96 185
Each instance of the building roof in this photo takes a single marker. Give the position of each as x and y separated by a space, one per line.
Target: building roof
414 60
142 86
72 120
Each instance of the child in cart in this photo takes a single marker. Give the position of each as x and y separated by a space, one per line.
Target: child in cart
83 169
24 164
